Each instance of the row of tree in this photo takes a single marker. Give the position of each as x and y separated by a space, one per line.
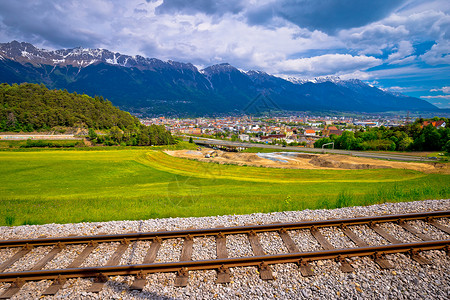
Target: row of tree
32 107
134 136
411 137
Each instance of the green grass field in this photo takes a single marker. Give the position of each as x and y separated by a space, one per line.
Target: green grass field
64 186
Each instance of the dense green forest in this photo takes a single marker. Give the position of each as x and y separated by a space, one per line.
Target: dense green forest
418 136
31 107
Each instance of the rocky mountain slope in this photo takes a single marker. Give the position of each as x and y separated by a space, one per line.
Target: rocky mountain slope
153 86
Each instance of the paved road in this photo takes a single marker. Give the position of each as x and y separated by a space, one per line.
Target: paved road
400 157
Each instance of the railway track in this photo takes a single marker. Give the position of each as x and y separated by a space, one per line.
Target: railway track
222 261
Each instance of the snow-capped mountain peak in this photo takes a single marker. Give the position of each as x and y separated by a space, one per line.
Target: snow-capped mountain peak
297 80
77 57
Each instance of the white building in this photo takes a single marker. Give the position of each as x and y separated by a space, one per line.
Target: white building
244 137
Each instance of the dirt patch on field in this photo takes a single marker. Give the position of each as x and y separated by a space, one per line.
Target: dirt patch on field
294 160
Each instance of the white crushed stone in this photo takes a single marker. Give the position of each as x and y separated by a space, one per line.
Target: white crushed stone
431 231
304 240
204 248
29 260
272 243
170 250
239 246
408 280
64 258
135 253
368 235
399 233
100 255
336 237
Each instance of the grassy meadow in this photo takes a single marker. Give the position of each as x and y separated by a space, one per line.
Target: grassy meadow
102 184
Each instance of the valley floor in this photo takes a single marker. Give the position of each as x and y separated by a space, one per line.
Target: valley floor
65 186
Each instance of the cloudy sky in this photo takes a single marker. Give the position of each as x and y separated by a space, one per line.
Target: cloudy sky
401 45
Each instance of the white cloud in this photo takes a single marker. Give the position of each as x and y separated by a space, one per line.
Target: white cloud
438 54
414 25
327 64
436 97
396 88
445 89
404 49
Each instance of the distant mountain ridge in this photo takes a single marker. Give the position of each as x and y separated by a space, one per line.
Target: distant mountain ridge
153 86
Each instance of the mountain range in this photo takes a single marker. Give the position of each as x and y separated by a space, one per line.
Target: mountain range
152 86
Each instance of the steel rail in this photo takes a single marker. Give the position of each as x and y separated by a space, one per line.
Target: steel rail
129 237
185 266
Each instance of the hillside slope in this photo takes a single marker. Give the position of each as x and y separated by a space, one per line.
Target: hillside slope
31 107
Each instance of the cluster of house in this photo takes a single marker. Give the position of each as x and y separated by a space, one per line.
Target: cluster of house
294 129
437 124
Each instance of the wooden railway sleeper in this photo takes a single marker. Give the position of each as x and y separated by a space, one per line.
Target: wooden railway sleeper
182 277
140 281
15 286
379 258
265 272
415 255
436 224
223 275
18 255
305 268
99 282
345 267
57 284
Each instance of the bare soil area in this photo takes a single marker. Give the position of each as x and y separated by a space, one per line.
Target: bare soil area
294 160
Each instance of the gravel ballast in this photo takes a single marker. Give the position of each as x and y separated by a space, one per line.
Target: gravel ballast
408 280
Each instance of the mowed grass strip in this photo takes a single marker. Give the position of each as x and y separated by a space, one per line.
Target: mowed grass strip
59 186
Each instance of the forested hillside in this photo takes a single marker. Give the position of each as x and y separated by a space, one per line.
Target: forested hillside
31 107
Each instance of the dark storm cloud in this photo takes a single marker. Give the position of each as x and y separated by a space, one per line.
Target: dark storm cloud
326 15
209 7
35 21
